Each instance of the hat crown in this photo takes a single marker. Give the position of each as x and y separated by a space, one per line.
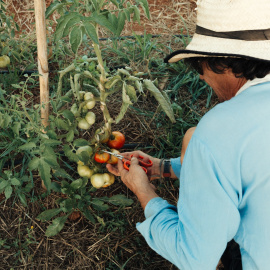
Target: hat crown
233 15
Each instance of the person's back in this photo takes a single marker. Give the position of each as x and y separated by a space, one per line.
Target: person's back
237 133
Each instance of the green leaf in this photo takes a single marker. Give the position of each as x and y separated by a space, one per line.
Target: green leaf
167 108
91 31
127 13
69 154
76 184
8 192
138 86
112 81
131 92
99 205
56 226
95 4
144 4
75 38
121 23
80 142
113 19
62 28
88 215
125 104
51 142
115 2
51 134
7 121
22 199
48 214
53 7
61 124
56 187
16 128
27 146
68 115
103 21
73 21
50 156
136 15
15 182
44 171
70 136
68 205
120 200
33 164
3 184
60 172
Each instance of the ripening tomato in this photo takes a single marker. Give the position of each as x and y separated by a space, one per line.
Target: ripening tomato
108 179
117 140
113 159
99 180
101 157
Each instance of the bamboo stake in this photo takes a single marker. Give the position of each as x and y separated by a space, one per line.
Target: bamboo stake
40 9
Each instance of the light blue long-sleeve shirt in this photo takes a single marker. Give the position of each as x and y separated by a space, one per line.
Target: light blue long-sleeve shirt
224 189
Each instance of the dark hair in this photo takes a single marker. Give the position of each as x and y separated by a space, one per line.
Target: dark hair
241 67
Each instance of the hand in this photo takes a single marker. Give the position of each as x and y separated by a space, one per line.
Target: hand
153 172
137 181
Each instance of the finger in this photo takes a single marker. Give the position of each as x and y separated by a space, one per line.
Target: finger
134 161
113 169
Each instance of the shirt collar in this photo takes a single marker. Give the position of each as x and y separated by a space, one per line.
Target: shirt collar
253 82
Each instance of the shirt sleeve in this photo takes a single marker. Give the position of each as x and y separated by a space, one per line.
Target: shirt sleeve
194 235
176 166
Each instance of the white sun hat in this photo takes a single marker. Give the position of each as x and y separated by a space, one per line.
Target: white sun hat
235 28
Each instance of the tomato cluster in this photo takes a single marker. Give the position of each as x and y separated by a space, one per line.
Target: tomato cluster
115 142
101 180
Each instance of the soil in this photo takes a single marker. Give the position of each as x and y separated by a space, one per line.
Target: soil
165 16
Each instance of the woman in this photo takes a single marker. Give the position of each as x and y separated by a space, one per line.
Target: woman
224 170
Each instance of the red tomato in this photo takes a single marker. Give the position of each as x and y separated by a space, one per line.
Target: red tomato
117 140
101 157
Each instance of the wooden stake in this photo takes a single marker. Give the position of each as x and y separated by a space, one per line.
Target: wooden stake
43 70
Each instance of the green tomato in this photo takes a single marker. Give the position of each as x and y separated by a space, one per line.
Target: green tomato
90 104
85 171
83 124
4 61
97 180
88 96
86 148
90 118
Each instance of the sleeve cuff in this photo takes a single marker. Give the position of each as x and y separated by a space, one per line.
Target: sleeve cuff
154 206
176 166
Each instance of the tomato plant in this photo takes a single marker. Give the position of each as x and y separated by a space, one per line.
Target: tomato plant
55 152
116 140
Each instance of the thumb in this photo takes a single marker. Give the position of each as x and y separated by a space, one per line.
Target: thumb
134 161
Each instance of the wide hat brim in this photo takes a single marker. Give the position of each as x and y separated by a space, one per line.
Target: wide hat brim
207 46
237 28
